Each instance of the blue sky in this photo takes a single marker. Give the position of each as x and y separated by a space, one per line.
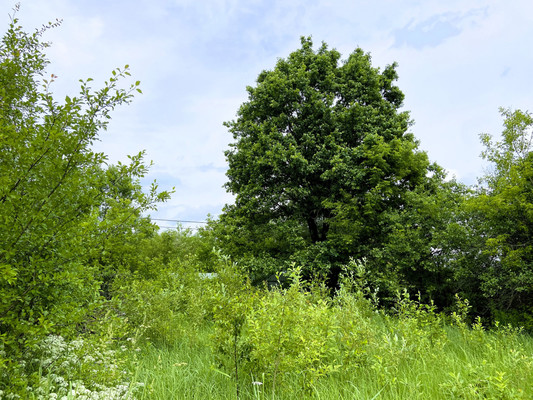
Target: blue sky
459 60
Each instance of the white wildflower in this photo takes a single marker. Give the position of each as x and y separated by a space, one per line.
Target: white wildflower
88 359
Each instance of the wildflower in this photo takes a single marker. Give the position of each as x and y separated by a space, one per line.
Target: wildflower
88 359
257 383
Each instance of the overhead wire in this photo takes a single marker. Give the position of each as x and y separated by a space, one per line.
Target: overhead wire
179 221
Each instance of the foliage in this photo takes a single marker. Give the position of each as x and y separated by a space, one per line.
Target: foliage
234 299
419 245
182 245
324 169
299 336
65 219
82 369
296 343
494 267
91 366
177 301
116 228
289 331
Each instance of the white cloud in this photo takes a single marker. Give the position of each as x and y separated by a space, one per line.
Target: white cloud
195 58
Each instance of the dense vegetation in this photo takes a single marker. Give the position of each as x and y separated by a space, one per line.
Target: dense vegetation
393 282
324 170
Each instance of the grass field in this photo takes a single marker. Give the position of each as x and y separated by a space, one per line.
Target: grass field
398 359
224 339
487 366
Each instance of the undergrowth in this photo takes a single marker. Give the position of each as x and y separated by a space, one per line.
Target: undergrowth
184 336
300 342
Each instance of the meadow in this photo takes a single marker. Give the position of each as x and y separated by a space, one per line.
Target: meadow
187 337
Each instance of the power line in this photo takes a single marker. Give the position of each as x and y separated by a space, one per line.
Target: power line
179 220
174 227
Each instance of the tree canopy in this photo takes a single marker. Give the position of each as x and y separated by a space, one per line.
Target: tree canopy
321 153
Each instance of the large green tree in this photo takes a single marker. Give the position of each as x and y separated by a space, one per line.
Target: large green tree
321 158
62 208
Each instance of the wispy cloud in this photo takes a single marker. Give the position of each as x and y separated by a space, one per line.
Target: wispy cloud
436 29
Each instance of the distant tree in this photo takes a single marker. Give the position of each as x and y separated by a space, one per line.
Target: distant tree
321 161
60 205
496 261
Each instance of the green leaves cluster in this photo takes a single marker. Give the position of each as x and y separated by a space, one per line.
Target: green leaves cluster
66 217
314 132
324 169
300 340
497 252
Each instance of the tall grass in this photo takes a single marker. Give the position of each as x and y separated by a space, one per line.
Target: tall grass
488 365
182 371
298 343
191 338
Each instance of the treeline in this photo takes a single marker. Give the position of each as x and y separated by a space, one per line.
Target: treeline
324 172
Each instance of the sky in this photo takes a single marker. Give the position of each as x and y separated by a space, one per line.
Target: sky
458 62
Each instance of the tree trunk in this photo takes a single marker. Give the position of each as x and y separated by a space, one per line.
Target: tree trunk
318 234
